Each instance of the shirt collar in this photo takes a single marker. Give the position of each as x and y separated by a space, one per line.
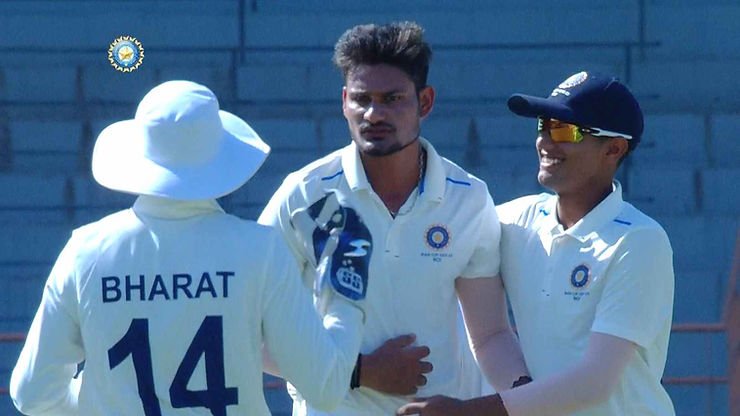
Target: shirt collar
433 183
159 207
606 211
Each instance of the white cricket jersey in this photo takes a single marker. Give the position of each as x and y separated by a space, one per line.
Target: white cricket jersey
611 273
168 304
447 229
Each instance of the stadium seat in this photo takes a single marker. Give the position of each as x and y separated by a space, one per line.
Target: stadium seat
215 74
658 191
32 243
46 146
672 141
90 25
705 29
701 243
335 132
725 147
505 186
720 191
39 84
287 133
93 201
446 131
693 85
30 198
100 82
289 83
604 23
699 296
699 399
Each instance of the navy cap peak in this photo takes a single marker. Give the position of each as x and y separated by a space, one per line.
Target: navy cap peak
587 99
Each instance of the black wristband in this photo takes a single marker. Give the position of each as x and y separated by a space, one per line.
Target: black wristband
354 381
521 381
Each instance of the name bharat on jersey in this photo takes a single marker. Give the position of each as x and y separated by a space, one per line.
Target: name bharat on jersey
175 286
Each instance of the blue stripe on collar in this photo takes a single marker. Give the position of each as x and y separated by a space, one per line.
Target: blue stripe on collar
458 182
326 178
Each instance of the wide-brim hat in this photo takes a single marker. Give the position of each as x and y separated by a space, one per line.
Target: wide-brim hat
587 99
179 145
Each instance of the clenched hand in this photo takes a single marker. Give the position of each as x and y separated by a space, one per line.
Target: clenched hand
396 367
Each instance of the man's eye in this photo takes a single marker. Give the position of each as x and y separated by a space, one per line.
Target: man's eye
392 98
362 99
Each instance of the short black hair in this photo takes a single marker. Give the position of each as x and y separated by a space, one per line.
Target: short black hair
399 44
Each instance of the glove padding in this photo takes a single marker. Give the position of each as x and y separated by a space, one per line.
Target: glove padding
340 246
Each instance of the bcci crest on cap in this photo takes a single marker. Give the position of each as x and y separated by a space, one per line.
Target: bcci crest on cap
572 81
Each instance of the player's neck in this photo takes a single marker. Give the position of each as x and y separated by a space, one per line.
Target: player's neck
572 206
395 176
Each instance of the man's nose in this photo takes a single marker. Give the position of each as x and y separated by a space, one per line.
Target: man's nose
375 112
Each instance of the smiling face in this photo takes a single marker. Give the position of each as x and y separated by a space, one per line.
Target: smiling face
382 108
578 168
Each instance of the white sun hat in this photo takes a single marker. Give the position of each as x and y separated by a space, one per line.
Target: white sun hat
179 145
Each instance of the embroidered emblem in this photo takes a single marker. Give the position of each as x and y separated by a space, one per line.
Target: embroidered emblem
437 237
579 276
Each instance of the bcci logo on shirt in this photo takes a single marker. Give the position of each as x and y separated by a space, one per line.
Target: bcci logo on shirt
437 237
579 276
125 53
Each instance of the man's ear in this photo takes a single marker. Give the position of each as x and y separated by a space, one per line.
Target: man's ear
616 148
426 101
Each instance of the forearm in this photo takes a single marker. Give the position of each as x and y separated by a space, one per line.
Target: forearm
500 358
329 385
36 397
318 359
42 381
591 381
494 344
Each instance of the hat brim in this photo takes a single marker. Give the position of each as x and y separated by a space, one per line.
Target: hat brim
531 106
118 163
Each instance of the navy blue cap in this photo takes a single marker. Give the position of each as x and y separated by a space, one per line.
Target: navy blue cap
587 99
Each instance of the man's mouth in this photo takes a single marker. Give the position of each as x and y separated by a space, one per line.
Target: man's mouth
548 160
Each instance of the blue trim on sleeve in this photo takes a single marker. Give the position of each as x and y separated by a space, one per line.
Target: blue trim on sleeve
458 182
622 222
326 178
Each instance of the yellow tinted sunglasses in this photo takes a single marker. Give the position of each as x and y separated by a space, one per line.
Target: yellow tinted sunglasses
561 132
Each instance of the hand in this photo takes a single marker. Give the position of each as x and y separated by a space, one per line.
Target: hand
396 367
434 406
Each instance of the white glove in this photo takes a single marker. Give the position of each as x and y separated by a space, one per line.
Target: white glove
340 246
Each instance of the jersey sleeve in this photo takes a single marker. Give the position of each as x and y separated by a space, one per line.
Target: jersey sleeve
639 288
486 258
317 359
42 381
276 214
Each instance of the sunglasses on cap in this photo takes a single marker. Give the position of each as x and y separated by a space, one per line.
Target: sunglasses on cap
561 132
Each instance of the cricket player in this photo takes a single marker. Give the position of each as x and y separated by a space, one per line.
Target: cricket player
433 226
589 276
168 303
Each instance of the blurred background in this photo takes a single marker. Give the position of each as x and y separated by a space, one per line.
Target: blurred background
269 61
